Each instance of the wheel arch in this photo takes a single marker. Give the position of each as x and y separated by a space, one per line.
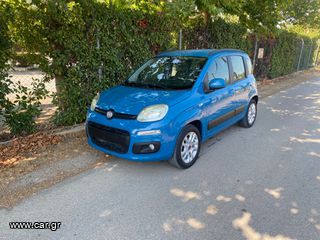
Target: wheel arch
255 97
198 124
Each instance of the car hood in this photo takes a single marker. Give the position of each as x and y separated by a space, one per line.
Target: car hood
131 100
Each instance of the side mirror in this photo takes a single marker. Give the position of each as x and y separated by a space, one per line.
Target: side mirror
217 83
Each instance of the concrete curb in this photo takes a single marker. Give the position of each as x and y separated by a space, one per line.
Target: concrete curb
273 80
77 131
74 132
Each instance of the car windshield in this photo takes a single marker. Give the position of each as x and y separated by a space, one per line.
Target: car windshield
167 73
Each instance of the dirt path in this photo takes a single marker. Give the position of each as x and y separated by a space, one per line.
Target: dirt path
270 87
45 167
51 164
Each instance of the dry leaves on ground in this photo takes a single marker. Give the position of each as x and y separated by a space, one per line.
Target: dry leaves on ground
12 153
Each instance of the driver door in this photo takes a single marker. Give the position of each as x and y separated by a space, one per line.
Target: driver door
220 104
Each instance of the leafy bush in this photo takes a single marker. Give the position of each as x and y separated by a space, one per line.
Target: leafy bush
285 54
19 114
217 34
281 50
90 46
25 59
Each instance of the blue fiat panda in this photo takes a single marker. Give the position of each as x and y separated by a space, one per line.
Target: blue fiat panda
173 103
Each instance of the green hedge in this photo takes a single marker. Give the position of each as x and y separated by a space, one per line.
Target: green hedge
285 54
18 114
281 50
217 34
25 59
92 46
5 49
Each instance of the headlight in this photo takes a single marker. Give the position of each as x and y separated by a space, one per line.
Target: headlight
94 102
153 113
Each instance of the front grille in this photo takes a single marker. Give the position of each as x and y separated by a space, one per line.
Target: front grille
115 114
112 139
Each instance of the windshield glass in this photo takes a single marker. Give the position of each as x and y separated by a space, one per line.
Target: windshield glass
167 73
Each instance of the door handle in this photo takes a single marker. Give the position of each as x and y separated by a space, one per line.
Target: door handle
205 103
231 92
214 100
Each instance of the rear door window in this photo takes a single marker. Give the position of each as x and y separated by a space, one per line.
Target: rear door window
238 68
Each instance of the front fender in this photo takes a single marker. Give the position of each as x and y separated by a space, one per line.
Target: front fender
191 114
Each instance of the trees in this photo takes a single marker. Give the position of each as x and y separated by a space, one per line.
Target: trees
89 45
262 16
18 114
303 12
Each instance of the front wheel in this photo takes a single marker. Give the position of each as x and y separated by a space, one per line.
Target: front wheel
251 115
187 147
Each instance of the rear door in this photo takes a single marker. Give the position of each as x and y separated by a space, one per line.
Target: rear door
239 83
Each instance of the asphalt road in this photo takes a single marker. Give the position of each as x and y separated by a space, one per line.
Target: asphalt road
261 183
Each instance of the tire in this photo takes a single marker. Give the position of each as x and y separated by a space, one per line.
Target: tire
248 120
186 160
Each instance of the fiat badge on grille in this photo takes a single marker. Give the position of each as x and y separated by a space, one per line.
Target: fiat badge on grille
109 114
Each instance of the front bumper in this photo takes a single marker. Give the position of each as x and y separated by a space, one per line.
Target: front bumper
165 140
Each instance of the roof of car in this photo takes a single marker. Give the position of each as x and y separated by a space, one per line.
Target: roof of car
198 52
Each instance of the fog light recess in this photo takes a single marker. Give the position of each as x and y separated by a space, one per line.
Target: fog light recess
148 147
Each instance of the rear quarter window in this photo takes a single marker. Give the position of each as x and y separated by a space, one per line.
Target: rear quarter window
249 65
238 67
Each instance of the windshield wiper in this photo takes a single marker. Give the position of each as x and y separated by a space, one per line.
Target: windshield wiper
154 86
141 85
131 84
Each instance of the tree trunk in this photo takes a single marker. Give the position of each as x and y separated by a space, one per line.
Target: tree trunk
58 81
207 17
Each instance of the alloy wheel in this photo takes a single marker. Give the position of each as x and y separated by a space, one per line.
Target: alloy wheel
189 147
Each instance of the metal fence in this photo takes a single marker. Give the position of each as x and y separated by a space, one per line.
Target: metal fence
307 55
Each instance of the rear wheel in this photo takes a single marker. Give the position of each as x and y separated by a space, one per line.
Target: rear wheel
251 115
187 147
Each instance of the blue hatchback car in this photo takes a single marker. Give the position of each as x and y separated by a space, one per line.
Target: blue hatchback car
173 103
